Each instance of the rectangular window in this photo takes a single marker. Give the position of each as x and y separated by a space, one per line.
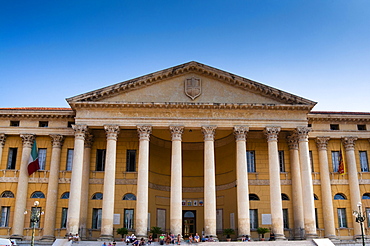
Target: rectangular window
96 218
251 165
42 158
69 159
131 160
281 161
334 127
335 160
342 218
14 123
285 218
361 127
12 158
161 217
4 221
311 161
100 159
253 215
35 210
368 217
64 218
364 162
43 123
316 219
129 219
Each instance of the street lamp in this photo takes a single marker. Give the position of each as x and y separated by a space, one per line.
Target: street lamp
360 218
35 218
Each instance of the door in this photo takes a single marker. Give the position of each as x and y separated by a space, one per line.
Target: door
188 222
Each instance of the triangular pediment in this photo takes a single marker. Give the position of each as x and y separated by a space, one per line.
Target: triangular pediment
190 83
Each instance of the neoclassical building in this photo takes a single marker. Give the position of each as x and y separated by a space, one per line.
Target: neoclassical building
190 149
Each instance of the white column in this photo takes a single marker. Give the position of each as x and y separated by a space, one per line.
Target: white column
209 181
2 142
112 132
327 199
52 193
297 198
242 190
354 187
275 189
89 138
307 187
142 181
176 181
74 203
22 188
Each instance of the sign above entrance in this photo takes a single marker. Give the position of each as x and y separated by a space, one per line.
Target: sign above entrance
193 203
193 87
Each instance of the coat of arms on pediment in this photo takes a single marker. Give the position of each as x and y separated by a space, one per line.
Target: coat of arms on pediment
193 87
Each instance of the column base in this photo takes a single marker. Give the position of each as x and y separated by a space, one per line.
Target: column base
105 238
17 237
46 238
331 237
311 236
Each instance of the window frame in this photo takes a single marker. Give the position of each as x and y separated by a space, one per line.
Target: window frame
128 218
131 160
96 218
251 161
100 160
364 161
342 218
63 222
335 158
253 219
12 158
285 218
42 152
281 161
69 159
4 216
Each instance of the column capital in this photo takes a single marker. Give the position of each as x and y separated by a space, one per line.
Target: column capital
111 132
240 133
349 142
80 131
293 141
144 132
302 132
176 132
28 140
89 140
272 133
57 140
322 143
2 139
209 132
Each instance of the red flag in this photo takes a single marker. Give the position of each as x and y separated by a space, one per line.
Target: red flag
341 168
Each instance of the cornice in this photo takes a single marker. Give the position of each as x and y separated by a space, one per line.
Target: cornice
185 105
338 117
191 67
37 114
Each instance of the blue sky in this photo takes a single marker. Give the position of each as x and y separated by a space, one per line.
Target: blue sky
52 50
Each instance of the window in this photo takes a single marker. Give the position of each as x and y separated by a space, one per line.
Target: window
251 166
367 211
131 160
361 127
285 218
366 196
43 123
129 219
281 161
100 159
130 197
253 197
37 194
335 160
340 196
334 127
70 123
342 218
63 223
7 194
284 197
69 159
363 161
35 210
4 220
253 216
12 158
311 161
316 219
65 195
315 197
42 158
14 123
96 218
97 196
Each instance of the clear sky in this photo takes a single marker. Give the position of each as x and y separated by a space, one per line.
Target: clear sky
316 49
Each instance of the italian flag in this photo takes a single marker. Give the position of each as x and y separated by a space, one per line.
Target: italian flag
33 162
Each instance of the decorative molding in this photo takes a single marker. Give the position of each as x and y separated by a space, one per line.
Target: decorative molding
89 140
272 133
302 132
2 139
193 87
349 143
240 133
80 131
322 143
27 140
57 140
144 132
176 132
111 132
208 132
293 141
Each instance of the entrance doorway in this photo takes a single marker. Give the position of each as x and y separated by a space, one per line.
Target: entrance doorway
188 222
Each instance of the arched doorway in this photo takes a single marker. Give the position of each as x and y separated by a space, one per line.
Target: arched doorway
188 222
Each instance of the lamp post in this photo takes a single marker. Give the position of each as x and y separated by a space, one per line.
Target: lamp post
35 218
360 218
